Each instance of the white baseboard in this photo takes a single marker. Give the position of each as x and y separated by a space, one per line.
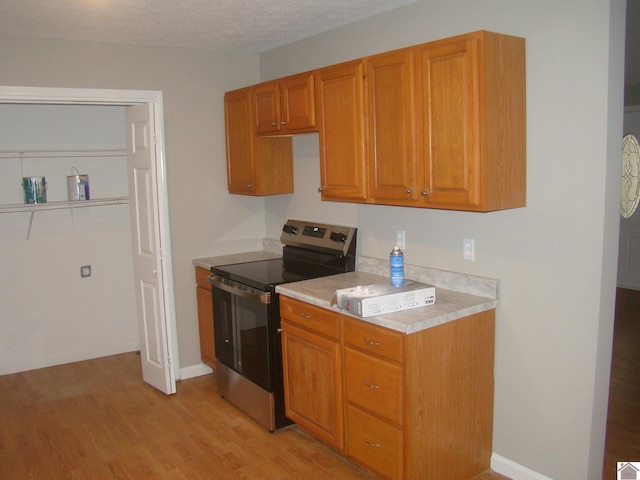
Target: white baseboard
514 470
194 371
34 361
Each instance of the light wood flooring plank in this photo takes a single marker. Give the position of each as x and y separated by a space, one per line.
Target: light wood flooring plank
98 420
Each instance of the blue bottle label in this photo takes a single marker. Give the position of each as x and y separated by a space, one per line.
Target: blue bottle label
397 268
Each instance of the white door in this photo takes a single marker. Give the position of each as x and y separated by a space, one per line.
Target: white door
155 348
629 247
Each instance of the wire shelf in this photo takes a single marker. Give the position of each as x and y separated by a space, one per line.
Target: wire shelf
32 207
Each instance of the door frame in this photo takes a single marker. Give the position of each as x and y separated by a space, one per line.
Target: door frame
629 227
124 98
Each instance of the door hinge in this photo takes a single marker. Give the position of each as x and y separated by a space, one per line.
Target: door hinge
169 363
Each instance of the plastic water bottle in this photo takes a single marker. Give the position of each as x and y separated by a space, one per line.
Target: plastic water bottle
396 259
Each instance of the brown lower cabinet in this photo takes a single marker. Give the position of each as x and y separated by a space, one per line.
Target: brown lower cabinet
404 406
205 317
313 370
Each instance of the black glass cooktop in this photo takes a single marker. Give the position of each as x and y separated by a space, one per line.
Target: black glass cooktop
259 274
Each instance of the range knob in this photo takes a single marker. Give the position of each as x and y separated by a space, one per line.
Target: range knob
290 229
338 237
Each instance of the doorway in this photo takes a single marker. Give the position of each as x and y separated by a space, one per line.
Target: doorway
166 340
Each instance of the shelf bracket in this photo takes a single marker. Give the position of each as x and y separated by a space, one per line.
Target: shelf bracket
30 224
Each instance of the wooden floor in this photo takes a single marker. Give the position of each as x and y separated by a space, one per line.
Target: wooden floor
623 420
98 420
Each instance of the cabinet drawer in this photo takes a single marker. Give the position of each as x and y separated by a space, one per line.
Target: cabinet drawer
374 384
311 317
201 278
374 339
374 443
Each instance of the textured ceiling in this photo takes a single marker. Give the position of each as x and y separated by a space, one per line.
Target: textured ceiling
236 25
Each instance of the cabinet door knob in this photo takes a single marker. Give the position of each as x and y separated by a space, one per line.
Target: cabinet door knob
320 189
249 185
425 193
273 124
409 190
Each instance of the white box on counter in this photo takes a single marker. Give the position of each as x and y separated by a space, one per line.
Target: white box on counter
380 298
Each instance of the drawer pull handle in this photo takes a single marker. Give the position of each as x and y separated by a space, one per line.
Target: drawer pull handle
304 315
376 387
371 342
369 442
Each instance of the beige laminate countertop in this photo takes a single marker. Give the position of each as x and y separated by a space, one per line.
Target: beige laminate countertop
450 305
208 262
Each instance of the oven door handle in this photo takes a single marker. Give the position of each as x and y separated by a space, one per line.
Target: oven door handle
245 292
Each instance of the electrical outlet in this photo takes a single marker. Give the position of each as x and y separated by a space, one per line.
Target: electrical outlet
85 271
468 249
400 239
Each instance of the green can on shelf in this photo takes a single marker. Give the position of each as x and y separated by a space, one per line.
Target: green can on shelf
35 189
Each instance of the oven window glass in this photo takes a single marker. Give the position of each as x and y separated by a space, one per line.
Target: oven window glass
241 335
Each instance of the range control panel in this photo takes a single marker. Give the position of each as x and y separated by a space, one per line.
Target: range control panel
335 239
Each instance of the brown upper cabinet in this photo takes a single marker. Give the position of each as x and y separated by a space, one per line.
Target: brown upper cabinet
391 126
471 122
255 165
446 124
285 106
340 98
437 125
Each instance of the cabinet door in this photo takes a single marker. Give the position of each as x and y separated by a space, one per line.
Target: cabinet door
205 317
239 138
340 99
391 127
205 324
297 103
266 104
313 383
448 87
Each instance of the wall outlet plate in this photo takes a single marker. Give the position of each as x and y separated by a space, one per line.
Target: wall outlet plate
468 249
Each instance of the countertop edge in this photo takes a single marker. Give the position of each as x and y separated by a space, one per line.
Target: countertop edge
450 305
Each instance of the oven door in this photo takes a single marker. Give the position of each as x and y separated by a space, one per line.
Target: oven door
241 323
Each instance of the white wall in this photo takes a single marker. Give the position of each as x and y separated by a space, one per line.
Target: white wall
555 259
204 218
50 315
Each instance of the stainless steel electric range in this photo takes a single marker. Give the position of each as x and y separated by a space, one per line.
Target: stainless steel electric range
246 314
